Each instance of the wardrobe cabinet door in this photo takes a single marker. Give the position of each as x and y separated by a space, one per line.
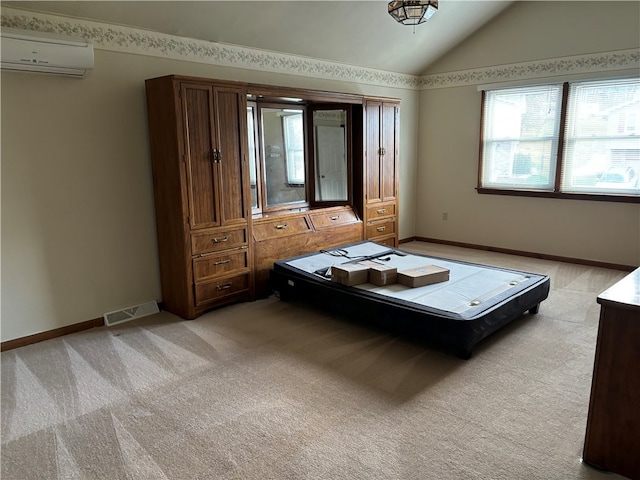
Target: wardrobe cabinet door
389 158
231 111
373 150
197 106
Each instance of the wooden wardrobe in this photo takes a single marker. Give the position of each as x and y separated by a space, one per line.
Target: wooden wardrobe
197 133
213 248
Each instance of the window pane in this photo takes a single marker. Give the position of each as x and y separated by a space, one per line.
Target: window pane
602 148
520 134
294 147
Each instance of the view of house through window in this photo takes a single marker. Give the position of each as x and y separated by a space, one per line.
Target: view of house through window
526 147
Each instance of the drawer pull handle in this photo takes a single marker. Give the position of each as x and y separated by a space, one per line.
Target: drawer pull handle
281 226
224 287
381 211
335 217
381 229
218 240
222 262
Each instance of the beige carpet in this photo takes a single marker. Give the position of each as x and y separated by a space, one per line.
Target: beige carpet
271 390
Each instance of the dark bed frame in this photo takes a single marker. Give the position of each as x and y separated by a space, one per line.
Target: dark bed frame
452 332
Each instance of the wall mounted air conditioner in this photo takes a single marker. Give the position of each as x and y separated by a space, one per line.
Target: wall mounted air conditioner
28 51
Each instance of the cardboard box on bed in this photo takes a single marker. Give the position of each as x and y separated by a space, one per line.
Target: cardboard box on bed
350 274
380 274
421 276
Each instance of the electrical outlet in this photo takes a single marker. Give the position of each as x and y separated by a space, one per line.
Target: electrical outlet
445 215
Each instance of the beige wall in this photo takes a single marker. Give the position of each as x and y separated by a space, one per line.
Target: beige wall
449 138
78 226
535 30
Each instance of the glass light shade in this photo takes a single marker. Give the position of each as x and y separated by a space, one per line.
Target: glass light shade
412 12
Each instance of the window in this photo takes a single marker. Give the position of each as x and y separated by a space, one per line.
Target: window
294 147
577 140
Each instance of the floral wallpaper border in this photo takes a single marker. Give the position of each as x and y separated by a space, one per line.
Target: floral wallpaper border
590 63
143 42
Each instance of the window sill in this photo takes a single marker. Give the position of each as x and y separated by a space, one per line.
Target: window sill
570 196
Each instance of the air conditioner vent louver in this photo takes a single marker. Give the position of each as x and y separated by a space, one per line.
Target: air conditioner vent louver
38 52
129 313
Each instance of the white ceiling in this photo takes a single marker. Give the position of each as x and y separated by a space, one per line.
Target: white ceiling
357 32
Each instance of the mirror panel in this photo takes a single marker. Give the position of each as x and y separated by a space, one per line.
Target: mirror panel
330 155
253 164
283 155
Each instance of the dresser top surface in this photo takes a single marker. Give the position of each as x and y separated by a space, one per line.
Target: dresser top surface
624 293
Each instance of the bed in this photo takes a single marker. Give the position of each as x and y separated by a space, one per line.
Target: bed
452 315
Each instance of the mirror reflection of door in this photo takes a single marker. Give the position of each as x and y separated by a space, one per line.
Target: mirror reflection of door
330 155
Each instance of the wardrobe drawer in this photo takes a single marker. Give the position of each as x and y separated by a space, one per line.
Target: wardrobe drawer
214 265
389 240
216 240
381 211
281 227
333 219
268 252
211 291
380 229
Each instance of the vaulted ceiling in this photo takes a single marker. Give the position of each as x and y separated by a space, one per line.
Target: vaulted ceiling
352 32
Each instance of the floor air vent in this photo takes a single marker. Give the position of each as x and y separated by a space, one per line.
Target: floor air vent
129 313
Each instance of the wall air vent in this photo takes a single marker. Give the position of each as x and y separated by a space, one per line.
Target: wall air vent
137 311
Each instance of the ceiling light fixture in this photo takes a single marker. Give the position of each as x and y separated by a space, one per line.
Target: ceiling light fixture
412 12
